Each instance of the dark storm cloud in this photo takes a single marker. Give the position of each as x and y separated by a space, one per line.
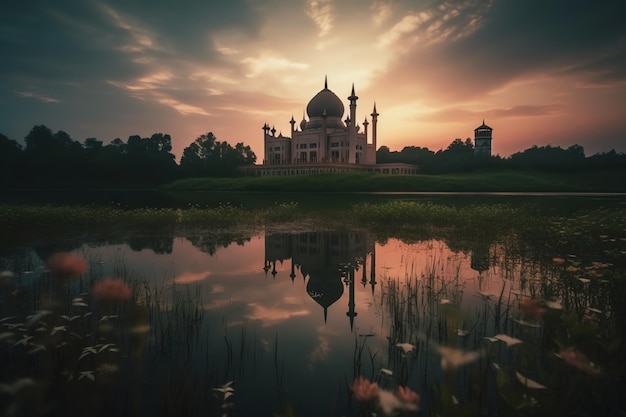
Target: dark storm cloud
91 63
75 40
479 49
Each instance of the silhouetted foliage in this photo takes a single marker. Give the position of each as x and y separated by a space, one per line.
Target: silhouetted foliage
52 157
56 159
459 156
11 161
548 158
207 156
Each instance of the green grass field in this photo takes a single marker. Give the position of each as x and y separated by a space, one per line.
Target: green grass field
499 181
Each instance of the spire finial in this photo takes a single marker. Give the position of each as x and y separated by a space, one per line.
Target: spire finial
352 88
374 113
325 82
483 120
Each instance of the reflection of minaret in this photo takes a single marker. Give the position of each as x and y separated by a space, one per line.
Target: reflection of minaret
351 313
277 249
292 275
364 274
373 268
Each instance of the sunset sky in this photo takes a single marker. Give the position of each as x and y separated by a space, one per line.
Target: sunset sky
538 71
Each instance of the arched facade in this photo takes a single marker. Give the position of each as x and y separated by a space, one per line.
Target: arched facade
325 143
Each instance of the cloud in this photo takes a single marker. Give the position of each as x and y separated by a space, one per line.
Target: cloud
321 12
455 114
269 62
447 22
191 277
40 97
322 349
468 49
270 316
182 108
408 24
380 12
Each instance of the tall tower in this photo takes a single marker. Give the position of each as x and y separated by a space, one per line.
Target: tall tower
352 127
374 122
482 140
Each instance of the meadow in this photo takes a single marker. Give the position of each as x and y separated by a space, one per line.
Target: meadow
546 338
474 181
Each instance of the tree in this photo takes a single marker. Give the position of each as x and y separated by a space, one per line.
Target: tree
207 156
53 157
549 158
11 161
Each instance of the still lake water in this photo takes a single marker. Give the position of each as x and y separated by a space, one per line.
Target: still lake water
292 317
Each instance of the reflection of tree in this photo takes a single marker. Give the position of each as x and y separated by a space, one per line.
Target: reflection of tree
210 242
480 258
160 245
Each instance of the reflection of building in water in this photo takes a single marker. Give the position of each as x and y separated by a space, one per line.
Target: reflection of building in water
480 259
330 260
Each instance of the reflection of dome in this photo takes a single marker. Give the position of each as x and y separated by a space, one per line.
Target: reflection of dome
324 288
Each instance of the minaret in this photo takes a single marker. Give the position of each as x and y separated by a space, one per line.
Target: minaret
292 122
352 127
268 156
374 122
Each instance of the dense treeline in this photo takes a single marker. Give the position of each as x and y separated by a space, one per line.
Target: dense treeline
459 157
50 158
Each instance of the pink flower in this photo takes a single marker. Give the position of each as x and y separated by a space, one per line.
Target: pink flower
364 390
578 360
67 265
111 290
532 308
407 395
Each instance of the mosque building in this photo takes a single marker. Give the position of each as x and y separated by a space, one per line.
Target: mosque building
325 143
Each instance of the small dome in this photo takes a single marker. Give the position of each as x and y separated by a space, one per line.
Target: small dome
326 101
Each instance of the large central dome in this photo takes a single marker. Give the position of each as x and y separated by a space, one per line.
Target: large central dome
325 109
325 101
